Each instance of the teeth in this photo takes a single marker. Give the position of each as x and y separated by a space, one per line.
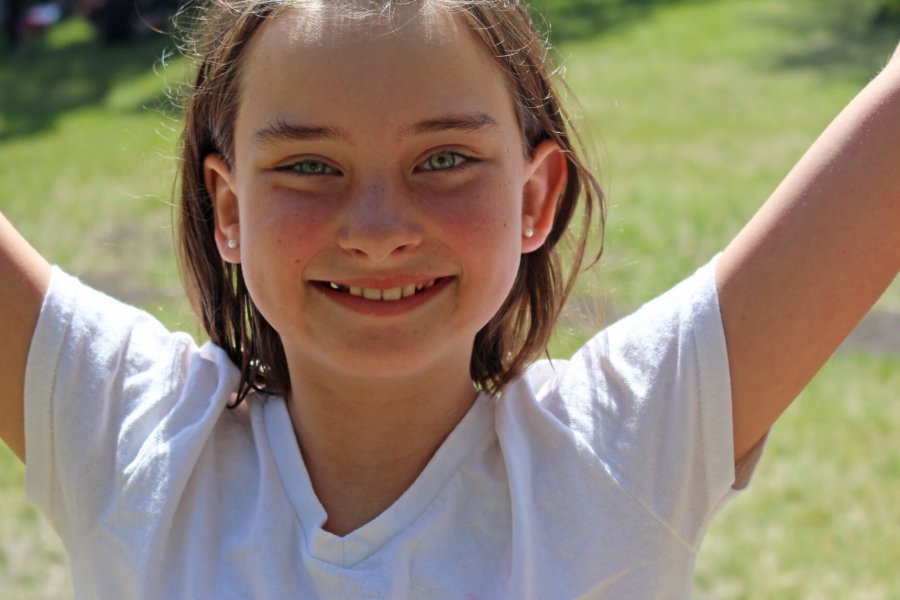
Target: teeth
377 294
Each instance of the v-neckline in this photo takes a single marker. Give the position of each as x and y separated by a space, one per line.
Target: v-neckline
351 549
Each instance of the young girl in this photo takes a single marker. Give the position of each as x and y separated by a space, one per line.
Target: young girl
373 194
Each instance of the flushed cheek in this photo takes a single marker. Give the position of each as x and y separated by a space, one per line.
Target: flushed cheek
483 230
479 218
292 226
280 234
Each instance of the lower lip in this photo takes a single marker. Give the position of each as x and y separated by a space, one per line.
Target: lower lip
385 308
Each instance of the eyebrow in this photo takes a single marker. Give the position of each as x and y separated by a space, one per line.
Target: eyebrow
283 131
462 122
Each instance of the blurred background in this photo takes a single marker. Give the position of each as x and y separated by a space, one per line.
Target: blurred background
695 110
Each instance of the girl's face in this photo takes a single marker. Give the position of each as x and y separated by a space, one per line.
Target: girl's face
379 191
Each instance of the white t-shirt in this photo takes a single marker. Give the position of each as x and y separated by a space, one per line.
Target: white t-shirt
589 478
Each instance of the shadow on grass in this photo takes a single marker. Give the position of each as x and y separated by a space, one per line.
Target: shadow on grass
572 20
72 70
847 39
51 77
854 38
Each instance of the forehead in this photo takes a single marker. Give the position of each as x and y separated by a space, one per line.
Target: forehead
321 62
325 22
320 31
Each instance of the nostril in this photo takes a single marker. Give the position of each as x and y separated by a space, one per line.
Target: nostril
381 242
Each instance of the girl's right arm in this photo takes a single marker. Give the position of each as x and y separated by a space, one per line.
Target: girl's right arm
24 279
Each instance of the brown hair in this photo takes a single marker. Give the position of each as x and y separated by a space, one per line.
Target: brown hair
520 330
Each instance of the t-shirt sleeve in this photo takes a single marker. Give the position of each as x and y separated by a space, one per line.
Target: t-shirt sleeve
651 395
101 385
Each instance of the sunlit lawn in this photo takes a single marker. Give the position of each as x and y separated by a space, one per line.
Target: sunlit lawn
697 108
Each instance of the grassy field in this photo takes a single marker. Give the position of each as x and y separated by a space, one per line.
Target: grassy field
697 110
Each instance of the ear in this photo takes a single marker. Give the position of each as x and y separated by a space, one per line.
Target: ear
546 177
219 184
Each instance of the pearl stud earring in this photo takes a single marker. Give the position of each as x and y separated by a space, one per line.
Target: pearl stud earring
232 244
529 232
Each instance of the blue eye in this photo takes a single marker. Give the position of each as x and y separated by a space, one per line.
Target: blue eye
443 161
310 167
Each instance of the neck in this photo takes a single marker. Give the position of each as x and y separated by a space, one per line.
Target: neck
365 441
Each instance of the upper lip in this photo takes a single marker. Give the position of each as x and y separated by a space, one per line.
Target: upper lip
383 283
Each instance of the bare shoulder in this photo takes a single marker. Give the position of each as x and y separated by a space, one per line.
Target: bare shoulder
24 279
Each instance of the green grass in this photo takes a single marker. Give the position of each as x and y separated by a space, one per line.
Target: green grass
818 520
87 147
698 110
33 563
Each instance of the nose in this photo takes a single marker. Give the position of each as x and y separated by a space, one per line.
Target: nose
379 224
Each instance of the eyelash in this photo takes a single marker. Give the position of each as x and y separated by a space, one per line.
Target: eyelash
296 168
460 162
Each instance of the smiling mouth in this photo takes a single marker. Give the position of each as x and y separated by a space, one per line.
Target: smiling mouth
388 295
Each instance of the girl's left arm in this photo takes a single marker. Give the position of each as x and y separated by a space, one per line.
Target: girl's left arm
814 259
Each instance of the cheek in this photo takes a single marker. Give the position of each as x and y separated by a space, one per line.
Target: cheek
280 232
484 227
286 226
480 214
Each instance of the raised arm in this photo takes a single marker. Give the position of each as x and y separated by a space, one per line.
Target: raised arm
24 277
814 259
